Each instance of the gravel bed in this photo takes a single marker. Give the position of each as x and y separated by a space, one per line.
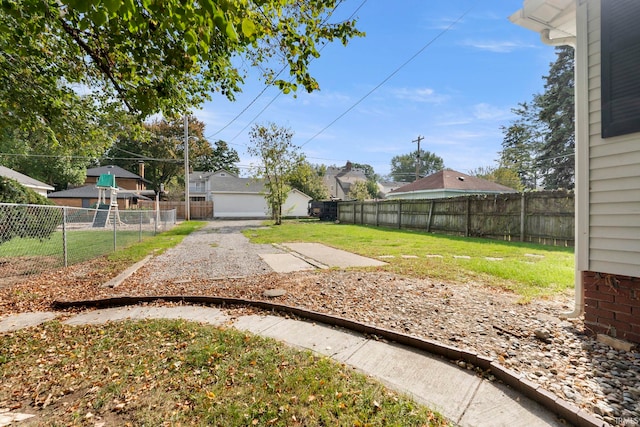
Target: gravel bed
528 338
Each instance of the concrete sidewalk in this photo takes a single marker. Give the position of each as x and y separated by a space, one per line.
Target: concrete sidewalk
308 256
458 394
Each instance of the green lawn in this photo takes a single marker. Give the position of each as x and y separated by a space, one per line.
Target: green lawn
172 372
83 245
527 269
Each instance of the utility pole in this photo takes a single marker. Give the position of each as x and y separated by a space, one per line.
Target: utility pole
187 204
420 138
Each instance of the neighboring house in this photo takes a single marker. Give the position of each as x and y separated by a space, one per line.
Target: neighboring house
385 187
26 181
87 197
235 197
131 188
606 37
339 180
126 180
447 183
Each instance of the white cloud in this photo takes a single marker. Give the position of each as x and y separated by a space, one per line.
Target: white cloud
484 111
497 46
419 95
443 24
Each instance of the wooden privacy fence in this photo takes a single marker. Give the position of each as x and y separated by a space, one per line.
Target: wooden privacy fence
539 217
197 210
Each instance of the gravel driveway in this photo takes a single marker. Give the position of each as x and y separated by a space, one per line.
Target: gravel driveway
218 250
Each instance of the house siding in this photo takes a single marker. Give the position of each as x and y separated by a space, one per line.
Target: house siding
614 170
296 205
86 202
611 284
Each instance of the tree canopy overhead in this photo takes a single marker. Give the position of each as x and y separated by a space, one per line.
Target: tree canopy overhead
77 75
157 55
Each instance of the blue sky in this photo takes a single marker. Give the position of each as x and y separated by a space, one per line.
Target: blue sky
456 93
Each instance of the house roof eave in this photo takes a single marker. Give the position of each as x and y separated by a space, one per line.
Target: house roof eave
555 20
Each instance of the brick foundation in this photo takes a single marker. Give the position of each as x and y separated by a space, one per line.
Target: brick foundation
612 305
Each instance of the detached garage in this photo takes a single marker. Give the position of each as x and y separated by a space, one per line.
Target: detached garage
235 197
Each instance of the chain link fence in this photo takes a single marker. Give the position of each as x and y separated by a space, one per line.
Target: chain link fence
36 238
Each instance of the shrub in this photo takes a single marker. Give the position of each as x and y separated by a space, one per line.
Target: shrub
25 221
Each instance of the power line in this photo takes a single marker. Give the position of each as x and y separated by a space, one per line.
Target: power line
433 40
279 93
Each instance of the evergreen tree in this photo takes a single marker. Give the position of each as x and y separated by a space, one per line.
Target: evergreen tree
557 112
521 145
539 145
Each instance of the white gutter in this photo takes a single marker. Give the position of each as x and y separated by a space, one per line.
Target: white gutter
560 41
578 309
581 242
528 18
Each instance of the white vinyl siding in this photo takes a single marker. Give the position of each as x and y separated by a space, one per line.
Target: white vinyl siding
296 205
238 205
614 185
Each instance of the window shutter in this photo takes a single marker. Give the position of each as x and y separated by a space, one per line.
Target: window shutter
620 34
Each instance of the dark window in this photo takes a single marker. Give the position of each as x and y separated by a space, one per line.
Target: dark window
620 67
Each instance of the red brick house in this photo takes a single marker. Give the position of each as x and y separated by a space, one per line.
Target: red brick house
606 38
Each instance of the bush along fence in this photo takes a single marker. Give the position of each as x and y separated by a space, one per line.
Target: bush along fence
545 217
35 238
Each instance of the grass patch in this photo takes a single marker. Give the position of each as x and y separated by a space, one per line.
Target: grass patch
158 244
83 245
530 270
169 372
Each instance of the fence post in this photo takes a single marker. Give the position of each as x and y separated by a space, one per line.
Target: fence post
157 214
429 218
377 213
362 213
139 226
467 232
65 253
114 232
399 214
354 212
523 217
